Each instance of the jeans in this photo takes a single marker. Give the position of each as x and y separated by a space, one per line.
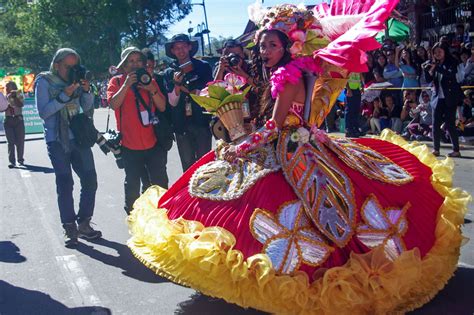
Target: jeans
15 134
445 112
375 125
352 112
82 162
151 164
193 144
397 124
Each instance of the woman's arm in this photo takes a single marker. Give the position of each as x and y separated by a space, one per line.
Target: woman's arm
270 130
397 57
284 101
47 107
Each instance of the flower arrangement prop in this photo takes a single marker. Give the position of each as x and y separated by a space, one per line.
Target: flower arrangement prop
224 99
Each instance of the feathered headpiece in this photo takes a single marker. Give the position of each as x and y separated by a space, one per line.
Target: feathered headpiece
297 22
330 40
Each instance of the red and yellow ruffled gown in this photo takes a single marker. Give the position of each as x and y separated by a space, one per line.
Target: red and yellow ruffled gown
366 226
308 224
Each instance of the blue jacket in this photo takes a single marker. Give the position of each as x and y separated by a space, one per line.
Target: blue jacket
47 94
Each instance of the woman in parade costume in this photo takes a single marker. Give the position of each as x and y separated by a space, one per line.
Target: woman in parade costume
290 220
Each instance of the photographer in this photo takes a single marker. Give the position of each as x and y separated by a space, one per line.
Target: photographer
185 76
232 60
442 72
150 67
59 97
134 96
14 125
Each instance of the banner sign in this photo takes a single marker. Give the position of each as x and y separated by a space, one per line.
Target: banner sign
33 122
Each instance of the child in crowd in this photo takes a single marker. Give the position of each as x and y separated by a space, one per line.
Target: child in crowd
420 127
367 111
394 112
466 122
408 110
380 117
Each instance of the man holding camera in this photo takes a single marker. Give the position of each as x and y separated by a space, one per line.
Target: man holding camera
14 125
232 60
135 97
60 94
185 76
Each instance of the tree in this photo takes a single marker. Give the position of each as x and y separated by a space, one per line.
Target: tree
151 17
21 44
218 43
97 29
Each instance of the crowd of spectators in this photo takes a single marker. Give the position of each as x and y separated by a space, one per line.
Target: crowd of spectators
402 87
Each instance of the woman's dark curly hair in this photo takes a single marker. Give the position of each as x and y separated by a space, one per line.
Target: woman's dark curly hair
263 105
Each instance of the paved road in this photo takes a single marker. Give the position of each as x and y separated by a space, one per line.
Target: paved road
39 276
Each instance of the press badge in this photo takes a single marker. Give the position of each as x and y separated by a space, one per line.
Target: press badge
145 118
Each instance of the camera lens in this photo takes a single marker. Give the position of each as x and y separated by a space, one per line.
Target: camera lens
233 60
143 76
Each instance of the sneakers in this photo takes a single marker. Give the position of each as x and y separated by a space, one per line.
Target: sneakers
86 231
11 165
70 234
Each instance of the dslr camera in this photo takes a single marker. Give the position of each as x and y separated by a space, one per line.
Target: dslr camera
78 73
143 77
233 59
110 142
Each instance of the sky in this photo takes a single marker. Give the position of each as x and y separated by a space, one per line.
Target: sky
226 18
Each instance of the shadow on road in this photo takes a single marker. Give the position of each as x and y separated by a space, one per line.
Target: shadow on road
16 300
455 298
125 260
202 304
38 169
10 253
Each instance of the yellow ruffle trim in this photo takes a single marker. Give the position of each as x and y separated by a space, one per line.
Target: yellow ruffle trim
203 258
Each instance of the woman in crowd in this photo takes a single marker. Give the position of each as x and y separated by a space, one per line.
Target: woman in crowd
380 66
421 57
284 219
442 72
404 61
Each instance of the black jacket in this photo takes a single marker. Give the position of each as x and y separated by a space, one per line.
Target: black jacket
445 75
196 79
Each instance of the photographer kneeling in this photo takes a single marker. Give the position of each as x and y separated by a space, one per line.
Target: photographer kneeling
60 95
134 96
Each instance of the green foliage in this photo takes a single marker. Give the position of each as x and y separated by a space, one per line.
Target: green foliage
97 29
210 104
218 92
235 97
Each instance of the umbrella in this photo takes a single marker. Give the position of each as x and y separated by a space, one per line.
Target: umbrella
397 31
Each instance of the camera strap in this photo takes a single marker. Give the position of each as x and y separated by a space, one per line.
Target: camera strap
139 100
